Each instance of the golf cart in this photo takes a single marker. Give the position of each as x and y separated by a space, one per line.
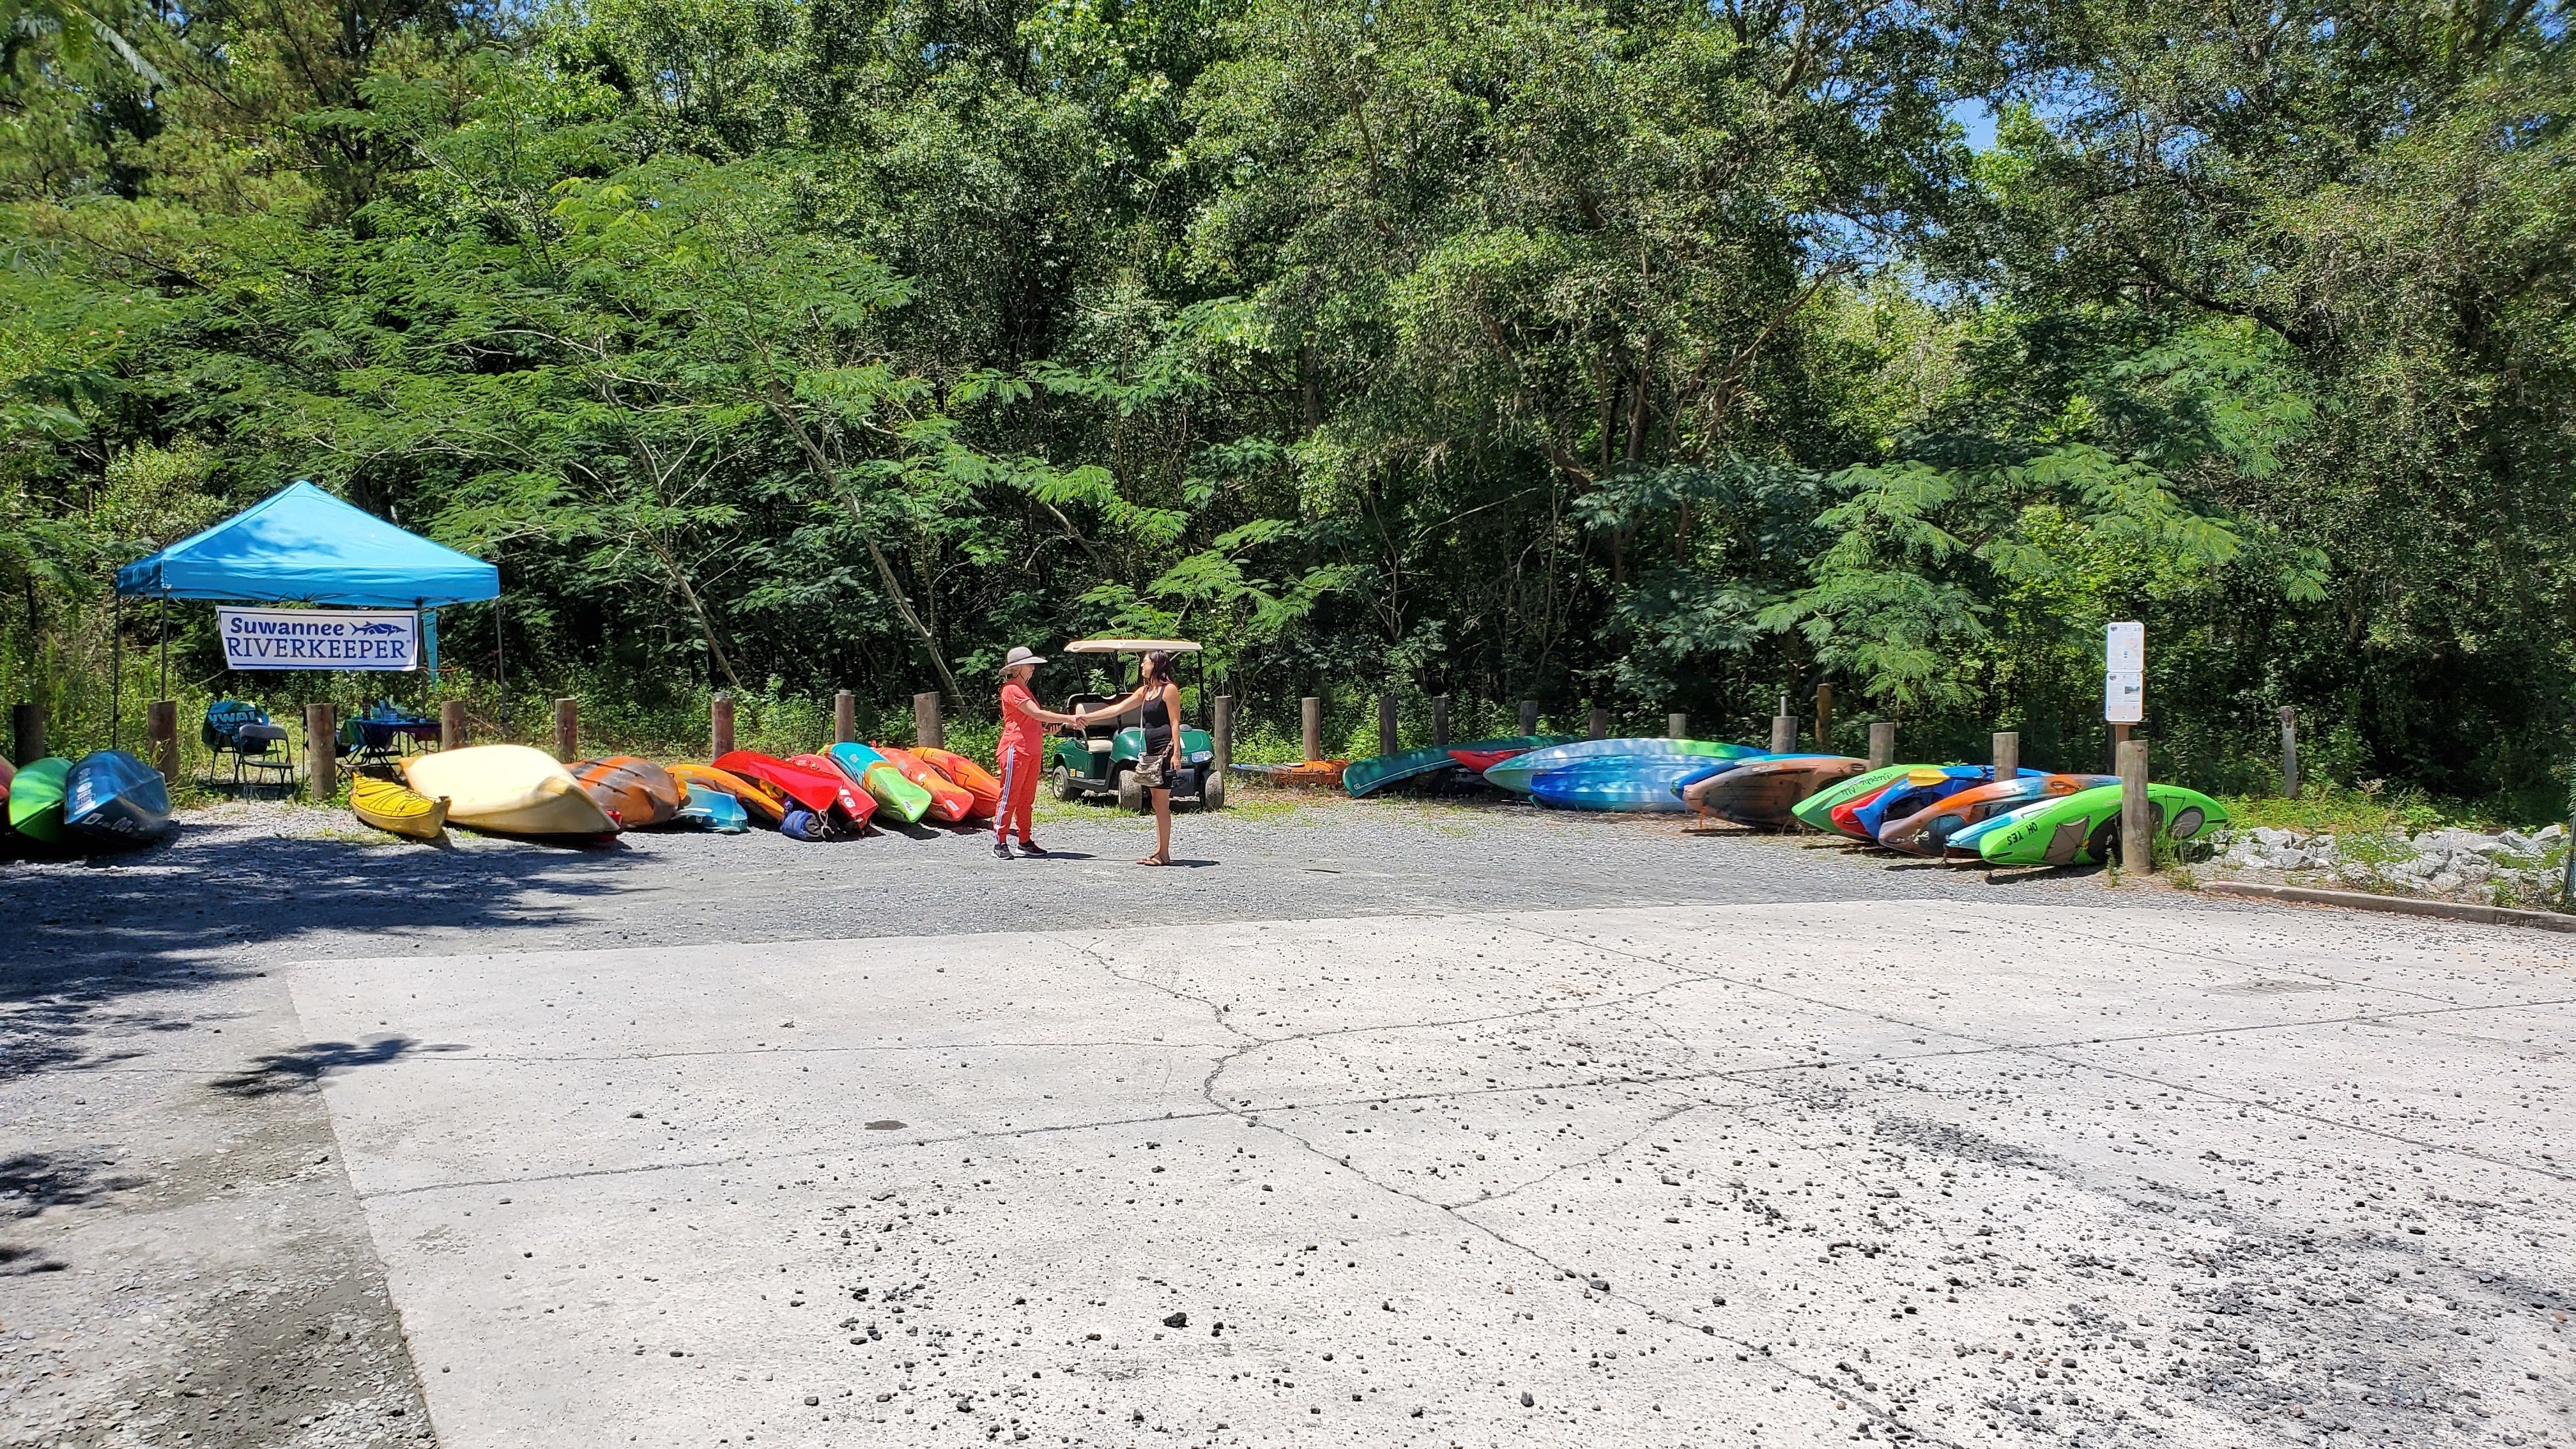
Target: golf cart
1099 756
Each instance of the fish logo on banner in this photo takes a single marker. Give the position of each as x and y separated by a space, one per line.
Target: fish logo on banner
366 639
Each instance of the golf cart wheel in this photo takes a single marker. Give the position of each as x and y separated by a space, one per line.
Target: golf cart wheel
1212 791
1131 793
1065 789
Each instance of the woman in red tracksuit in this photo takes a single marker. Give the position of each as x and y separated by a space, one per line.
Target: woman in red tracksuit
1022 753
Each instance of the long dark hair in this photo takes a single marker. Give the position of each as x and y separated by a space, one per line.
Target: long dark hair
1160 661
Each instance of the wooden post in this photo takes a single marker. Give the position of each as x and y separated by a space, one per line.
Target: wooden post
1676 726
321 754
2290 751
845 717
720 726
1310 726
1220 733
1596 723
451 725
567 730
2008 754
1784 733
1882 744
2119 741
27 721
1440 721
1386 740
2137 828
161 738
1529 716
928 728
1824 718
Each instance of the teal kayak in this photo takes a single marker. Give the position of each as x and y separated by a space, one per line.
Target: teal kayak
878 776
1619 782
1516 773
1363 777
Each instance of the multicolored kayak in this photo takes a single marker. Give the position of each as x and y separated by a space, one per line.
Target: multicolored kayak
510 789
110 795
1816 811
1762 793
1917 789
966 775
1621 782
395 809
826 792
638 792
759 799
1516 773
875 774
2084 828
1935 828
1363 777
947 801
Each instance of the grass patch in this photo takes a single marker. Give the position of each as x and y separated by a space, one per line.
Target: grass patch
2371 811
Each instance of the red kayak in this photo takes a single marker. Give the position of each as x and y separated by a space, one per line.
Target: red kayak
824 790
1480 761
1848 822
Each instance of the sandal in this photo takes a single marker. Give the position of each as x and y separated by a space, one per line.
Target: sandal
1154 860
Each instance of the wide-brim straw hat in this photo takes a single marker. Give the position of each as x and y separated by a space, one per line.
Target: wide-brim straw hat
1019 655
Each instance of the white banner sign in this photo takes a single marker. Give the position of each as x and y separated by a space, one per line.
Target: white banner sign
381 639
2124 673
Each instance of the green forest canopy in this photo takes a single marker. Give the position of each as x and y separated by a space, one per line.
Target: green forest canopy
1668 356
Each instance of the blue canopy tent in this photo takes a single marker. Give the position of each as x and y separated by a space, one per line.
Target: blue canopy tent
301 545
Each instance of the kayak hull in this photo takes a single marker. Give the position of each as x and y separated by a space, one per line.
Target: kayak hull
1930 830
1817 810
2084 828
112 796
507 789
966 775
36 799
1366 777
826 792
1516 773
1763 793
638 792
855 803
876 776
397 810
1629 784
712 809
947 802
1910 793
761 800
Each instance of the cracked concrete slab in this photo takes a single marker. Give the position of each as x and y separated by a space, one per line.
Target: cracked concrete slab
1936 1170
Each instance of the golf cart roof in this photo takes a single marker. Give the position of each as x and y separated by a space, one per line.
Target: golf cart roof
1130 646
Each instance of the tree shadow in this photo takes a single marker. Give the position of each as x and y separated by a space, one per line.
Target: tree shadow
275 1072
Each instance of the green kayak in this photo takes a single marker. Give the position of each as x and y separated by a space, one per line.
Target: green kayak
36 800
2084 828
1817 810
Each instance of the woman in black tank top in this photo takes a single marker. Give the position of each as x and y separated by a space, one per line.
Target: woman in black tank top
1160 694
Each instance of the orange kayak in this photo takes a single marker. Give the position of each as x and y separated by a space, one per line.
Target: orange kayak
966 775
638 792
1312 774
764 801
948 800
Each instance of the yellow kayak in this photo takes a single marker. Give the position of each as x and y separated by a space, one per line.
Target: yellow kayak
391 808
508 788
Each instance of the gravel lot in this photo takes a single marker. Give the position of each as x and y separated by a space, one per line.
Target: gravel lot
1429 1124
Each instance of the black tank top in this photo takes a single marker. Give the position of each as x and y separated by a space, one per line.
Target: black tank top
1158 725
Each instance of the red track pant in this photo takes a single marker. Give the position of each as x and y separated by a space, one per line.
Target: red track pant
1020 772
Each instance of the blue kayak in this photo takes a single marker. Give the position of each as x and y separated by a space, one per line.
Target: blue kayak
1967 839
1617 782
706 808
112 796
1917 791
1517 773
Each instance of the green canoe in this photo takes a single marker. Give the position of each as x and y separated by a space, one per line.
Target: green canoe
1817 810
2084 828
36 800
